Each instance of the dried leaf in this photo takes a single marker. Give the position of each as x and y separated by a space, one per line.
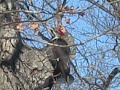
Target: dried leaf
34 25
72 9
19 26
67 20
65 8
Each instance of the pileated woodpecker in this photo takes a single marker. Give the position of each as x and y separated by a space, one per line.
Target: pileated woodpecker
60 60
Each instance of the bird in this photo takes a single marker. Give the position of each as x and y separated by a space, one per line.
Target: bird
59 57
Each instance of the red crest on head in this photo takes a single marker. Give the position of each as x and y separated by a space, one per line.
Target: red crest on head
61 30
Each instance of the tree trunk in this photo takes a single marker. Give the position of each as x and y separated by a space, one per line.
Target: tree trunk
22 68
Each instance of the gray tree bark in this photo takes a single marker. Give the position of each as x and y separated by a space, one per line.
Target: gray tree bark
21 67
116 6
32 65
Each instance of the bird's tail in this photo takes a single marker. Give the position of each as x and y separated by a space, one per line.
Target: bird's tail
69 79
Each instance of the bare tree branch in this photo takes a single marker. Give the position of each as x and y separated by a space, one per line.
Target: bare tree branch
64 2
111 77
101 7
